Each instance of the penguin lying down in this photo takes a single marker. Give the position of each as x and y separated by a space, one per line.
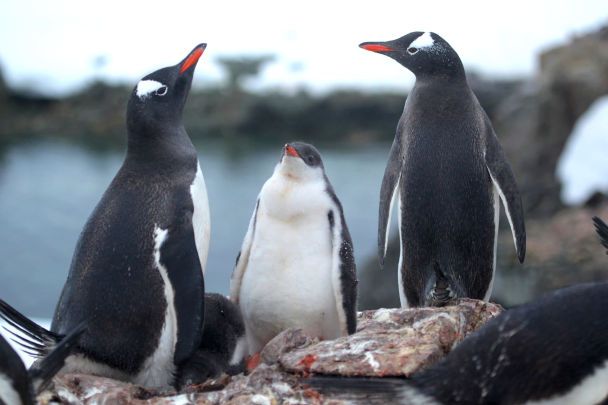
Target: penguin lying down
20 386
222 349
553 350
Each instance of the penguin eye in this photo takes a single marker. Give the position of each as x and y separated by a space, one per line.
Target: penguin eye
412 51
162 90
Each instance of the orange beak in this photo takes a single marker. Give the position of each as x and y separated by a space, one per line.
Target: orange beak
291 151
192 58
375 47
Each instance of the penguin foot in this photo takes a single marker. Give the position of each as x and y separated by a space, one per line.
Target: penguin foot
440 296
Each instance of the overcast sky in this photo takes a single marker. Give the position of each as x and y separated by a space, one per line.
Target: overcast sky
51 45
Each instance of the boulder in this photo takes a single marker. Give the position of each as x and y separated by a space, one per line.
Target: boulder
388 342
534 123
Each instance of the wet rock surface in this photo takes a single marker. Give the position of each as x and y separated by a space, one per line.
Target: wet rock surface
388 342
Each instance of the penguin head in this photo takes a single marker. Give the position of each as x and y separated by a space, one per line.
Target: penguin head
302 161
158 99
423 53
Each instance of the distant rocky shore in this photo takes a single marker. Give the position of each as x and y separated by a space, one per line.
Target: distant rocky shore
95 116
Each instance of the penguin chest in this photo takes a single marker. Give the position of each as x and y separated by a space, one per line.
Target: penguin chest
288 281
200 216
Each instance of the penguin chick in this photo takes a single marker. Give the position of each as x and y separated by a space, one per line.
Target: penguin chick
296 267
223 347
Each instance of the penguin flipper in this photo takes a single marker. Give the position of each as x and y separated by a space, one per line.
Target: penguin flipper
369 390
243 257
390 183
344 272
504 183
602 231
42 372
179 256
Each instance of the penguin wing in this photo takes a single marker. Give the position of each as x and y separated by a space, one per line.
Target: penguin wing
504 182
390 183
243 257
602 231
180 258
343 271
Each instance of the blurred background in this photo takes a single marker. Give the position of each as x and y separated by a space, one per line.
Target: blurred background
281 71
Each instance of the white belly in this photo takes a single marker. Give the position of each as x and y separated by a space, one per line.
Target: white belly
288 281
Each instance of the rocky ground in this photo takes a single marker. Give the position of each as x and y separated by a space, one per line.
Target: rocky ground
388 343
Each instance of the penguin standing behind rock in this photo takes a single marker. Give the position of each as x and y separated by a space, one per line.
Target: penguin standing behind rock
296 267
137 271
19 386
448 172
553 350
223 347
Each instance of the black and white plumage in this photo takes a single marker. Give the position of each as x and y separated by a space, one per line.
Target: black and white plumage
553 349
449 172
296 266
223 347
137 271
18 385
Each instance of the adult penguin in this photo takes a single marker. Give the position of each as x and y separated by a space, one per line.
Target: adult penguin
137 271
449 172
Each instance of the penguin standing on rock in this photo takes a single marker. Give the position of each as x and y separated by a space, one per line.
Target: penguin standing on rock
449 173
553 350
137 271
296 267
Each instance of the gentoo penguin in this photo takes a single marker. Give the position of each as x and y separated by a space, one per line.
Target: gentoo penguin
19 386
296 267
223 347
448 172
551 351
137 271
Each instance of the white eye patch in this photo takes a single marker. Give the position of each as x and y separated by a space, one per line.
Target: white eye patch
423 41
147 87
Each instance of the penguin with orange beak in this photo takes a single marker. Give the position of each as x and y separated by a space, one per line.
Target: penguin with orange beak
137 271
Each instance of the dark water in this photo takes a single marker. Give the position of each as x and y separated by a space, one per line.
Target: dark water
48 189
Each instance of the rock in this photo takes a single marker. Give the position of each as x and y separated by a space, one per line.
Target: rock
393 342
535 122
562 251
285 342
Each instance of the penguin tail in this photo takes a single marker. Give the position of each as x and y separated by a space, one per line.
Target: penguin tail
602 231
365 390
42 372
31 337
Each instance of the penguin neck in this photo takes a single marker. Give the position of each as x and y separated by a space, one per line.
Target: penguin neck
443 85
169 144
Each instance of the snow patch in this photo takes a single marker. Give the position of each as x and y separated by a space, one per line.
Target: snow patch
583 167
